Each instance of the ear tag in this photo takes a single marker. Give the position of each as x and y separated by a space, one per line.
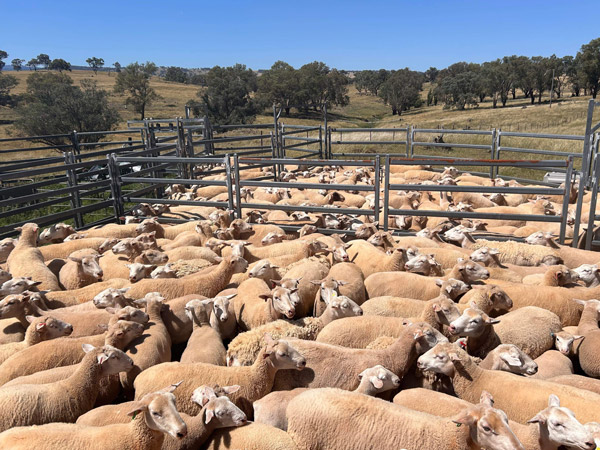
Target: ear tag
458 425
133 417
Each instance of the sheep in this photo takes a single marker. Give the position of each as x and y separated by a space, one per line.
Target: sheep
572 257
151 256
264 270
250 436
271 409
306 272
372 260
402 284
510 358
489 258
201 284
26 260
111 297
81 271
326 409
65 351
552 364
165 271
559 275
321 372
589 274
256 381
588 328
64 400
151 348
534 436
244 348
222 315
63 250
510 251
40 329
152 416
6 246
354 279
18 285
520 397
565 343
139 271
424 265
529 328
4 276
56 233
205 344
75 297
256 304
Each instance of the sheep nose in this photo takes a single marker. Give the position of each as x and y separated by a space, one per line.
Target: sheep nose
181 434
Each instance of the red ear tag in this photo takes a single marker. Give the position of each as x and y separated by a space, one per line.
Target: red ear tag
463 344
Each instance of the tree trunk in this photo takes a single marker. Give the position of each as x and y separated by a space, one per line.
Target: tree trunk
287 111
143 111
394 111
504 99
540 98
514 93
532 98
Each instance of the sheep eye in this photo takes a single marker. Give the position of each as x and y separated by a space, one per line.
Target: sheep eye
220 413
156 414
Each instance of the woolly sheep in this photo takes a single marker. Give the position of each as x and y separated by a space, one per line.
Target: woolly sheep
81 271
205 344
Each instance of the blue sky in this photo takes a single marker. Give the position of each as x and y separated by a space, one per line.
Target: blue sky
344 34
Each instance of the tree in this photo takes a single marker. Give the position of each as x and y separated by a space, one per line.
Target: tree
541 76
459 91
336 92
44 60
370 80
278 86
3 55
32 64
589 65
318 85
402 90
95 63
227 98
496 80
53 105
431 74
60 65
176 74
17 64
135 81
117 67
198 79
7 82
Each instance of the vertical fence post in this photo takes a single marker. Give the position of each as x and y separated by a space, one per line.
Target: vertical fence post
207 134
408 141
238 186
282 140
75 143
274 155
72 182
386 193
181 150
492 153
411 133
229 182
566 197
326 125
114 176
377 186
497 143
589 235
320 142
587 144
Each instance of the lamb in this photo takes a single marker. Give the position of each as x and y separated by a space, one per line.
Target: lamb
80 271
139 271
372 260
64 400
256 304
61 299
56 233
589 274
588 328
165 271
112 297
325 409
6 246
244 348
151 256
510 251
40 329
205 344
509 358
18 285
26 260
402 284
222 315
256 381
209 284
528 328
64 351
559 275
152 347
540 433
271 409
520 397
264 270
63 250
424 265
305 272
343 374
152 417
565 342
552 364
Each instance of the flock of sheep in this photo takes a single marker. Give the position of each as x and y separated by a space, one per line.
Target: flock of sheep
229 333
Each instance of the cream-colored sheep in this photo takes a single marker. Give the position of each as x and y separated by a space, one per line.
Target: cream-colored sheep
205 344
510 358
64 249
80 271
552 363
371 260
61 299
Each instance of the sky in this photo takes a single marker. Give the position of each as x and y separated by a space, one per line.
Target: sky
351 35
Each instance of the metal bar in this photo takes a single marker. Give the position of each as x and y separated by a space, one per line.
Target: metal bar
369 142
386 194
330 187
72 180
475 215
36 206
115 186
165 201
592 213
315 162
481 162
34 138
238 188
445 131
229 182
539 152
377 188
32 149
364 130
565 205
574 137
477 189
451 145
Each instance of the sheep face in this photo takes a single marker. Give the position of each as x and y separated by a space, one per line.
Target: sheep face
588 273
111 297
74 237
514 360
339 253
108 244
132 219
160 209
263 270
129 313
49 327
125 331
307 229
88 265
563 276
165 271
143 209
538 238
452 288
561 427
403 222
147 226
222 413
472 323
147 241
440 359
381 238
195 310
329 288
239 264
221 307
6 246
18 285
283 356
12 306
484 255
421 264
472 271
110 359
160 413
139 271
343 306
500 299
237 247
488 427
254 216
446 310
272 238
380 378
56 233
563 342
153 256
281 301
128 247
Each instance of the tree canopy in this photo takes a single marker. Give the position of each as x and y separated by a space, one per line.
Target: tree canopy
134 80
17 64
95 63
7 82
402 90
3 55
59 64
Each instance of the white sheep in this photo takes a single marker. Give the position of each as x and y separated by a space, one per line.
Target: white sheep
205 344
165 271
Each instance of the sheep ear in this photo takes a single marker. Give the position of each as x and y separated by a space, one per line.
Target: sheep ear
464 417
209 415
581 302
342 283
553 400
439 282
376 382
316 282
510 359
577 336
229 297
103 326
266 297
40 326
538 418
74 259
137 407
492 320
453 356
102 358
87 347
169 389
231 389
30 318
436 307
486 399
276 282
